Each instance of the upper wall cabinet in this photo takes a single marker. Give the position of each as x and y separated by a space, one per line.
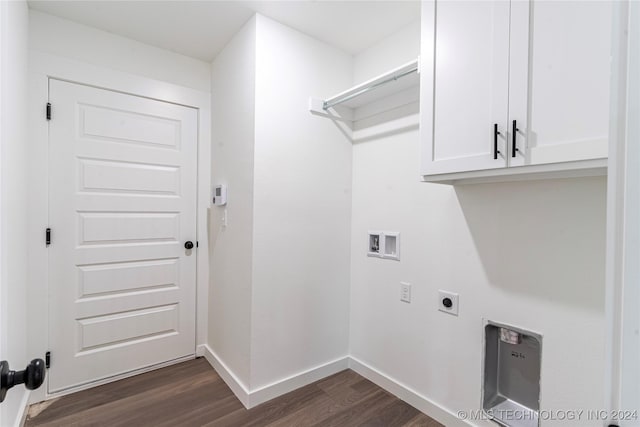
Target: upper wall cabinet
514 88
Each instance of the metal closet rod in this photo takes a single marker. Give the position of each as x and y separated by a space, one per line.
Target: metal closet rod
331 103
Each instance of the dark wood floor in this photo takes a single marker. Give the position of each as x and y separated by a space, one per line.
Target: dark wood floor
192 394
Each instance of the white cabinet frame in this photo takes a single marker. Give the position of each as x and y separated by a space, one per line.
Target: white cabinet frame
549 161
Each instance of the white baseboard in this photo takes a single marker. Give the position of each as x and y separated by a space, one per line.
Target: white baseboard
402 392
251 398
237 387
201 350
296 381
21 416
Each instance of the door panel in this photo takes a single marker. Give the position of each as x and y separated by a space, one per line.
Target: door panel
129 127
122 277
121 177
122 203
470 86
568 74
111 329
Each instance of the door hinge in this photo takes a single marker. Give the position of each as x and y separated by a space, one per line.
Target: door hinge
47 359
47 236
48 111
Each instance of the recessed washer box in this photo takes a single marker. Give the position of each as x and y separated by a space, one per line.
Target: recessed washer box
384 244
376 244
511 385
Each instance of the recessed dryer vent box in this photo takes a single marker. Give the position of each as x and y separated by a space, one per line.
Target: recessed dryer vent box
511 389
391 245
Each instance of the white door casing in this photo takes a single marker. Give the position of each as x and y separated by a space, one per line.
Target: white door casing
122 203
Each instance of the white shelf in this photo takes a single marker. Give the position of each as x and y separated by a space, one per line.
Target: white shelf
398 80
393 89
380 89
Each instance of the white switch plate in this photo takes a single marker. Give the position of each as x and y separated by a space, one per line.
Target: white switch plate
405 292
453 297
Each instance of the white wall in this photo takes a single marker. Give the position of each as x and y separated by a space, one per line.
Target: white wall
280 268
530 254
395 50
13 204
61 37
302 207
233 131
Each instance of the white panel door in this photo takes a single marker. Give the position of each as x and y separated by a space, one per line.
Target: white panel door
470 86
122 203
559 90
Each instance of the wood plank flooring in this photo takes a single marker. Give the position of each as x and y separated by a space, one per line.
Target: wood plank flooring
192 394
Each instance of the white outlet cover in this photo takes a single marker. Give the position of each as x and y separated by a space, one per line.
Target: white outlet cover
442 295
405 292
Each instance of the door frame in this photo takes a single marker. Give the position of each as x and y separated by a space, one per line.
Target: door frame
42 68
622 287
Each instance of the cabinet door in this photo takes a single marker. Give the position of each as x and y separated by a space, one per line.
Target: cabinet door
464 85
559 80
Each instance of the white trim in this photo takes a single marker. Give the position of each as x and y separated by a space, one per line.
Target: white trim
237 387
278 388
615 207
43 66
623 205
80 72
630 372
405 393
251 398
577 169
21 416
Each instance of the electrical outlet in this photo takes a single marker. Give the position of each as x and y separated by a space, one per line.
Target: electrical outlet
448 302
405 292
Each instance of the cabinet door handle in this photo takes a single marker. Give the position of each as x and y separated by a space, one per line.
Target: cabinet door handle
514 130
495 141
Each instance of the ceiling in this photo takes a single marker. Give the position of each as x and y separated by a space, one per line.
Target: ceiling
201 29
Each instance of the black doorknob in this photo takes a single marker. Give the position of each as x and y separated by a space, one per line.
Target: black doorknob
32 377
188 244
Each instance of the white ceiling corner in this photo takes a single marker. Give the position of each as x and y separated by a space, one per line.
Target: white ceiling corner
201 29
